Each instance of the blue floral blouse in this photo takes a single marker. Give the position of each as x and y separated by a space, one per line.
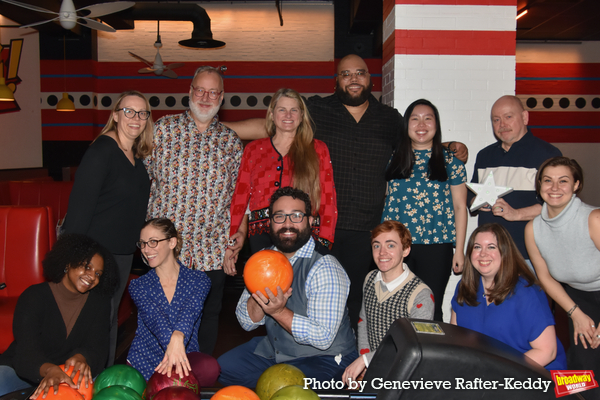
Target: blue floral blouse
423 206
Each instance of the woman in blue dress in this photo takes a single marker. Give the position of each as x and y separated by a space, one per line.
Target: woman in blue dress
169 299
498 296
427 193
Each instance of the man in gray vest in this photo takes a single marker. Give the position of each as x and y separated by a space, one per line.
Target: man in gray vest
311 329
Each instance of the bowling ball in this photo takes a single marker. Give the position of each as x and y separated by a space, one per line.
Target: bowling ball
65 392
295 392
277 377
176 393
86 392
268 268
235 392
158 382
117 392
121 375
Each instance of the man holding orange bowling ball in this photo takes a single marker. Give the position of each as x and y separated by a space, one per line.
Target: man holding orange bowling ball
309 329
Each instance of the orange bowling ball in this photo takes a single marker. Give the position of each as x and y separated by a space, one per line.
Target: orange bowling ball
268 268
86 392
235 393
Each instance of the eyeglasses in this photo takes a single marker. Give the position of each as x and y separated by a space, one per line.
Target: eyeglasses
212 94
294 217
130 113
150 243
347 75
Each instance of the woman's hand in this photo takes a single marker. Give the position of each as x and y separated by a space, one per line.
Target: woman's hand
53 376
584 328
175 356
458 261
354 370
596 341
80 364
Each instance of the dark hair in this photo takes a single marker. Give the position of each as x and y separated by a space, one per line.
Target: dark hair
395 226
167 227
570 163
403 160
74 250
295 194
511 267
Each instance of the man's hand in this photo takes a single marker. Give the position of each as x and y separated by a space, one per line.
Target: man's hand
272 305
459 150
229 261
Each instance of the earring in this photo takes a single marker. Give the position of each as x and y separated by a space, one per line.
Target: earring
66 268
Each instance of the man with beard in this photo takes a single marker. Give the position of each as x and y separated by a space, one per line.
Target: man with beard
311 329
194 167
514 160
361 134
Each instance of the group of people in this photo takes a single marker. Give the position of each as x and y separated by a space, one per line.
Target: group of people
336 184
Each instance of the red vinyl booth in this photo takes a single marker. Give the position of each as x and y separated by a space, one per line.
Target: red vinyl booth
41 193
26 235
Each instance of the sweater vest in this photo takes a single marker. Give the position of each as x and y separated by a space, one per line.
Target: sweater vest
380 316
280 344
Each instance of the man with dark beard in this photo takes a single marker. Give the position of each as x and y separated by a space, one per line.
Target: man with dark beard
361 134
311 329
194 167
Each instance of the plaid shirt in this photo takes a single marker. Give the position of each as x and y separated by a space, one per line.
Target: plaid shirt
360 152
193 178
327 287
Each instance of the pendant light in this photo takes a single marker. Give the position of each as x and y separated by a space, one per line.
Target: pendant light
65 104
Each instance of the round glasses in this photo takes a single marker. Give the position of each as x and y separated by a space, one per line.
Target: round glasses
294 217
150 243
212 94
130 113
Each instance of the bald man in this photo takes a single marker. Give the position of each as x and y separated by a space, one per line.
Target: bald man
361 134
514 160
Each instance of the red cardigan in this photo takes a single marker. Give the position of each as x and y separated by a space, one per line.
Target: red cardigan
257 179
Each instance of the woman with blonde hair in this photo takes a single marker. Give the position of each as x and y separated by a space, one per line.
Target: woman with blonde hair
290 156
111 190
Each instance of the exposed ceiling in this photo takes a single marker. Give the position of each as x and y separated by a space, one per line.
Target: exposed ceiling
563 20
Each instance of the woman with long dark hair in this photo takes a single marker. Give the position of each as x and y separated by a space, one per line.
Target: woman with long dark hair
498 295
427 193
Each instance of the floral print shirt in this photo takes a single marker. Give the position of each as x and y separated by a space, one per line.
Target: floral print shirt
425 207
193 179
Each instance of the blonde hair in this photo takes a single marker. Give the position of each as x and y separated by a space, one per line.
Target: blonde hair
304 162
142 146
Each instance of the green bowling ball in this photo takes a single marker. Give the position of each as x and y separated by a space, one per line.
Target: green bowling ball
123 375
295 392
117 392
277 377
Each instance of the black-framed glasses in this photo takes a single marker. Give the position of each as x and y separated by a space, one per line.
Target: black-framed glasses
346 75
295 217
131 113
212 94
152 243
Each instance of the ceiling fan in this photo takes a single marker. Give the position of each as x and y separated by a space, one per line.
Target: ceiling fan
67 16
158 67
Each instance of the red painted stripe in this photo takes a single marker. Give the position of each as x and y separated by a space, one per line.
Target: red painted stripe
568 70
570 118
557 87
569 135
68 134
462 2
389 48
388 7
455 42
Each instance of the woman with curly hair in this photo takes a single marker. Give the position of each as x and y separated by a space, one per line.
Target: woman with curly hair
63 321
499 296
290 156
111 190
169 300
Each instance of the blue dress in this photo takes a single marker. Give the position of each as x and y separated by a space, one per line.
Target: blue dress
157 319
425 207
518 320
